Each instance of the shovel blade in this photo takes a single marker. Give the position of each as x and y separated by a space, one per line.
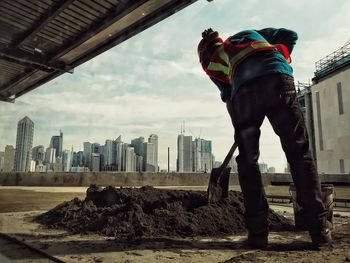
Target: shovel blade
218 184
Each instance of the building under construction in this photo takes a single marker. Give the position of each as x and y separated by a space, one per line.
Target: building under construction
326 109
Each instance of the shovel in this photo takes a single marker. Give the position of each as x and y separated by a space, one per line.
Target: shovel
219 179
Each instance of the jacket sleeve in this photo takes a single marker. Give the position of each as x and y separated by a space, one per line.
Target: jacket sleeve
225 89
280 36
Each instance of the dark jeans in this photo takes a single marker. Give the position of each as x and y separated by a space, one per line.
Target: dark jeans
274 96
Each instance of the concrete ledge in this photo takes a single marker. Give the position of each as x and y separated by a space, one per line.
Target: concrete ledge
103 178
140 179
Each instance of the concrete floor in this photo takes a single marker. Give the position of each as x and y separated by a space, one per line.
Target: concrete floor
22 203
29 198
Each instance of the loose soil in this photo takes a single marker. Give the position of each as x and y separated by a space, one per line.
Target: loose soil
129 213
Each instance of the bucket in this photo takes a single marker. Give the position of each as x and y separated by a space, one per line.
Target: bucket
327 191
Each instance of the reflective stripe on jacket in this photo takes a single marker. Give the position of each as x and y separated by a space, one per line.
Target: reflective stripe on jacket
227 57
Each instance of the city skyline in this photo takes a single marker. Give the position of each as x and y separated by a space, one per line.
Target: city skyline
197 156
153 81
56 147
113 155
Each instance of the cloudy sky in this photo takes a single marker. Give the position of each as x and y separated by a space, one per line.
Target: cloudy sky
153 82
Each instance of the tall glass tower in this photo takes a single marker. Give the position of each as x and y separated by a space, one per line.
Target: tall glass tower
56 142
24 143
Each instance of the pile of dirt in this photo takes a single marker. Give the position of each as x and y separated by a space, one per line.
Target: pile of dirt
128 213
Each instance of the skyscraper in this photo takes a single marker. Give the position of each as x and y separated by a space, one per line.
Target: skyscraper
119 153
87 154
66 160
184 153
96 162
202 155
197 154
9 159
138 145
148 157
78 159
109 156
50 155
24 143
38 153
130 159
153 138
2 159
206 156
57 142
95 147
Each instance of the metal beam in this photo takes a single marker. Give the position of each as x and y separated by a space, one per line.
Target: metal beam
118 13
35 60
42 21
24 63
6 99
42 81
17 79
136 28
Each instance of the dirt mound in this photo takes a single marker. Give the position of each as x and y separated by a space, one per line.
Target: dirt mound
150 212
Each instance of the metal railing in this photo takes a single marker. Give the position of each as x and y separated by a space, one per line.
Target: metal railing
333 60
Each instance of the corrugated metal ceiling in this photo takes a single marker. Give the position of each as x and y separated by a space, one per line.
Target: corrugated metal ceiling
42 39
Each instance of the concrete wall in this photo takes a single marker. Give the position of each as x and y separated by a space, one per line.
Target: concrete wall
140 179
332 127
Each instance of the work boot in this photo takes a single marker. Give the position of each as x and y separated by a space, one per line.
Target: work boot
257 240
258 230
322 239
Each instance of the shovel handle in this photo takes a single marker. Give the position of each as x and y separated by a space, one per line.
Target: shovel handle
228 157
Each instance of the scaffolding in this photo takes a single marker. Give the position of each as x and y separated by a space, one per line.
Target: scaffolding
302 89
333 60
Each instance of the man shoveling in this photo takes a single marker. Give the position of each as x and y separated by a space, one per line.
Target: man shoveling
253 73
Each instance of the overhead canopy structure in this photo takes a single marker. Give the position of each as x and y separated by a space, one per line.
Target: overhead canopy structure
42 39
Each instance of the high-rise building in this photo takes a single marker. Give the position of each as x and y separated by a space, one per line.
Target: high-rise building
66 160
130 159
102 152
96 162
38 153
2 159
149 164
153 138
95 147
124 146
9 159
24 143
138 145
202 155
50 155
139 163
197 155
119 153
109 149
87 154
78 159
206 156
57 142
184 153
